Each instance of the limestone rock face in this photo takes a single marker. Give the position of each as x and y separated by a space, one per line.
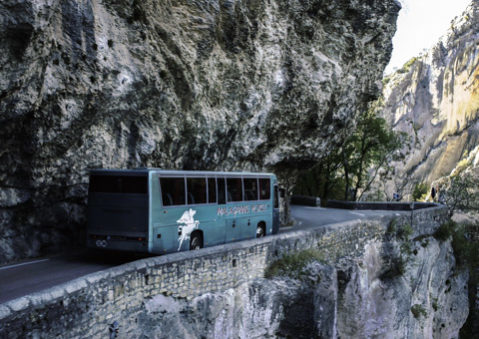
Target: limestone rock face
191 84
427 298
434 99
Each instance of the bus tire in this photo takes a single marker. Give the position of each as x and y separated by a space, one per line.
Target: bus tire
196 241
260 230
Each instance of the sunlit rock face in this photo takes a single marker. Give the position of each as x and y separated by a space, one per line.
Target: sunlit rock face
172 84
435 99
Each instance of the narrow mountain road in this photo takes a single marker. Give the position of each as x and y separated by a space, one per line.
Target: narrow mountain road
32 276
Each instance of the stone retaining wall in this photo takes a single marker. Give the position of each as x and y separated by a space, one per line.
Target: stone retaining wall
88 306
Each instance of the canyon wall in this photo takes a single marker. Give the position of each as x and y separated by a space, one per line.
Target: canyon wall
197 84
434 99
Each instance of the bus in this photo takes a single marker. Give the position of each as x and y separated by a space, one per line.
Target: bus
163 211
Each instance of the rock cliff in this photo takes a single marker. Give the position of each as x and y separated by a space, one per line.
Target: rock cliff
434 99
365 298
196 84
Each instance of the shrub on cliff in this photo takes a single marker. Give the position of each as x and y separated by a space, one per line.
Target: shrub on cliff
445 231
418 310
292 265
395 268
465 249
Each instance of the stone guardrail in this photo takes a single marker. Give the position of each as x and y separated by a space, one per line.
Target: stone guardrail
87 306
390 206
305 200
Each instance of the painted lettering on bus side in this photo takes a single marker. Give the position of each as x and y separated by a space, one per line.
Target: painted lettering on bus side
259 208
239 210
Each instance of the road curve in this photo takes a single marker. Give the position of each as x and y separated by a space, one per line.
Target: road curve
28 277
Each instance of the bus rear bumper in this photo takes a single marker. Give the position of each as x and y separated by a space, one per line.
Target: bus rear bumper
118 245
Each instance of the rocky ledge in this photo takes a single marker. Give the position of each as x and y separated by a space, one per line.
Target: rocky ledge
369 297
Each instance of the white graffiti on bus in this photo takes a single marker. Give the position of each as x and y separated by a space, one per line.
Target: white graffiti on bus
186 225
244 209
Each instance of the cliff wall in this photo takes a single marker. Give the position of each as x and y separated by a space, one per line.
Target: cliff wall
197 84
434 99
359 289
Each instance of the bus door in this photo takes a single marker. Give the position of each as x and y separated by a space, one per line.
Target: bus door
235 222
219 228
276 210
173 206
234 229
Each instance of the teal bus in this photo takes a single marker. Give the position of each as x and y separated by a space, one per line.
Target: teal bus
163 211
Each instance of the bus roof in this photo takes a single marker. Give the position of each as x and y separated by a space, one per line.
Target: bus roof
144 171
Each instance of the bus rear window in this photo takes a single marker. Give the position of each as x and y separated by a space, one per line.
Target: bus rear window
264 189
196 190
234 189
250 189
118 184
172 191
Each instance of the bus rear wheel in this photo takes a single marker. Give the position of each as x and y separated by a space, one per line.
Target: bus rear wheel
260 231
196 242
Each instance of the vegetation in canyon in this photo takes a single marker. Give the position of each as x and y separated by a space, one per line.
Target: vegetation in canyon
349 169
465 244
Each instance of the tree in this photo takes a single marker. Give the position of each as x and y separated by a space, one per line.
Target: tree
461 192
349 170
322 180
367 151
420 190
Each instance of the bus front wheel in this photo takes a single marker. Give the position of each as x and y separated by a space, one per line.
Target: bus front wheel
260 231
196 242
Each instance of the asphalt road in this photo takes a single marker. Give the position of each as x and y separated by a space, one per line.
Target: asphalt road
309 217
27 277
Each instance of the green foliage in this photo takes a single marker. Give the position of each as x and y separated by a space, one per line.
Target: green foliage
405 232
435 305
406 248
321 180
417 310
466 251
407 66
420 190
396 269
462 192
350 169
292 265
445 231
391 230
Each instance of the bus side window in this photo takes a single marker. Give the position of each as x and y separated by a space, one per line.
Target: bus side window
250 189
264 189
196 190
212 190
221 191
172 191
234 189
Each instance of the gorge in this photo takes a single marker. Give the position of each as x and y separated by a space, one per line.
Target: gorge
226 85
